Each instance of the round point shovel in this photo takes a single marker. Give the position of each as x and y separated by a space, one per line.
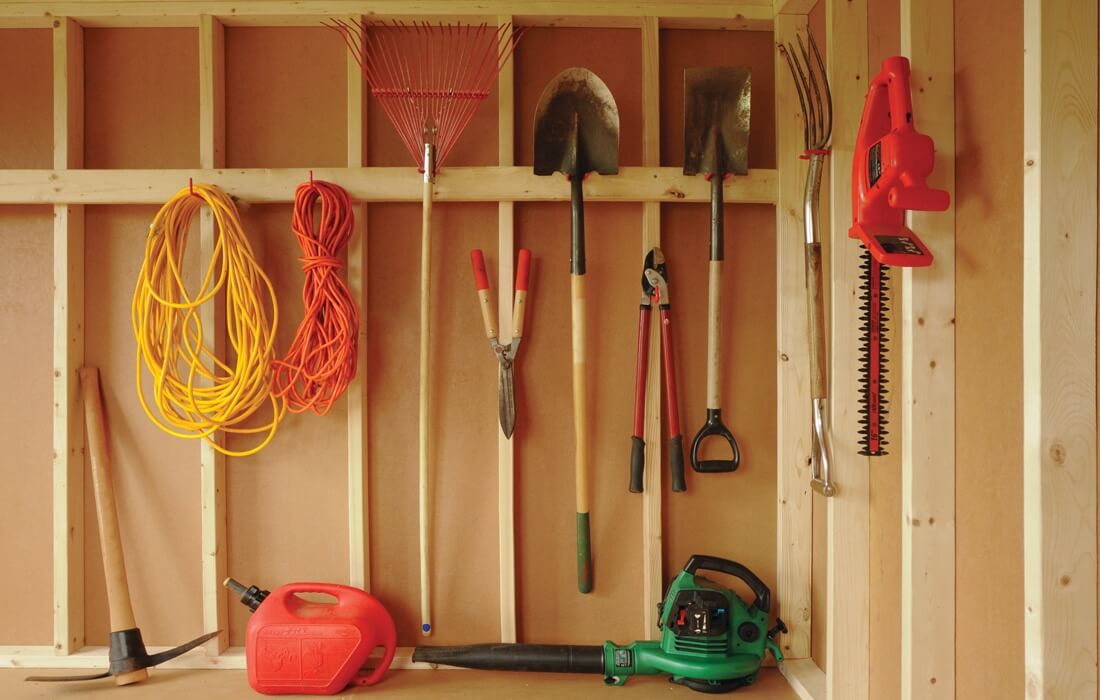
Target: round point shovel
577 132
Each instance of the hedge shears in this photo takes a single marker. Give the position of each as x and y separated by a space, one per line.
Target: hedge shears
505 354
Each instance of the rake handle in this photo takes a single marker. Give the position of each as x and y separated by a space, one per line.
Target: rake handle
110 538
425 309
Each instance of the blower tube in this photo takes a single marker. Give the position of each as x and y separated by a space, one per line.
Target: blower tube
552 658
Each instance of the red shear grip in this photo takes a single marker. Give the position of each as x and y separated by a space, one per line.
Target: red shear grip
670 375
523 266
481 278
641 366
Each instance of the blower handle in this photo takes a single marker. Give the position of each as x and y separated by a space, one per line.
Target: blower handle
759 589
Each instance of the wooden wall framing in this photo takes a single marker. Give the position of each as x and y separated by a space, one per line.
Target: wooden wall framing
68 188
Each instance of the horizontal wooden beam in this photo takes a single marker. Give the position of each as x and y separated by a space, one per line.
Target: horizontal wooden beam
805 678
232 659
745 14
794 7
473 184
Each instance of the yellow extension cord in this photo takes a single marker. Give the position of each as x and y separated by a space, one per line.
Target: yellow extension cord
196 393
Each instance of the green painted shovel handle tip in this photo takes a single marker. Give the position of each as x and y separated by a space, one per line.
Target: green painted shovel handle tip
584 554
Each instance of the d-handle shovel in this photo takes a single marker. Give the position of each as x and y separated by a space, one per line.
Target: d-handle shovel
714 427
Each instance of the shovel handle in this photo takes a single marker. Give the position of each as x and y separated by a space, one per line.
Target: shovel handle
714 428
114 566
580 429
484 295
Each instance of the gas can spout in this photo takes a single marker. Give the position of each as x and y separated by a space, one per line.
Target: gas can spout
250 596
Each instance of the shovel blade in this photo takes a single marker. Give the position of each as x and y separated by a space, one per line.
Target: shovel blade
576 126
717 105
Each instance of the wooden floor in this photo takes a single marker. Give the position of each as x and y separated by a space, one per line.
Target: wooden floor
406 685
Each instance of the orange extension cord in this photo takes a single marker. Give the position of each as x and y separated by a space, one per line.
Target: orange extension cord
321 361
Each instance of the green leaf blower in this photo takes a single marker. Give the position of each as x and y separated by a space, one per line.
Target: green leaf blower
711 641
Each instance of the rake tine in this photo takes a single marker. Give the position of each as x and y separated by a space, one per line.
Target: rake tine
801 98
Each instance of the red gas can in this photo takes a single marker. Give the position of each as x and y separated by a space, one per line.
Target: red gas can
299 646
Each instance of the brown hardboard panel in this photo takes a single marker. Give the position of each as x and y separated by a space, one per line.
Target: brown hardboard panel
729 515
686 48
26 113
285 97
26 342
462 424
141 91
476 146
550 609
156 476
989 348
402 685
614 55
884 40
287 504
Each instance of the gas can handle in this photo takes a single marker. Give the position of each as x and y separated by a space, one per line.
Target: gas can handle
379 670
760 590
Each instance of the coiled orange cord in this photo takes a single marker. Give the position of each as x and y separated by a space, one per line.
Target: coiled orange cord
321 361
198 394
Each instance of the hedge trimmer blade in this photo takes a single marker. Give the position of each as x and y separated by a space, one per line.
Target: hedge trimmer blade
872 372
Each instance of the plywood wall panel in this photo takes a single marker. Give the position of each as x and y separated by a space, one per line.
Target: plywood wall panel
141 98
286 505
156 476
551 610
989 348
727 515
682 49
26 116
285 97
26 322
463 423
612 54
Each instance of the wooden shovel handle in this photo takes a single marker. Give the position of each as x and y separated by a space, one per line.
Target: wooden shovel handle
114 566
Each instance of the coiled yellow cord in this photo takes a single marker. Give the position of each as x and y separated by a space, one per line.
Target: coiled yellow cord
196 393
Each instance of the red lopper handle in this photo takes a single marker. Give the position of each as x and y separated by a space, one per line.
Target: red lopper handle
523 266
481 278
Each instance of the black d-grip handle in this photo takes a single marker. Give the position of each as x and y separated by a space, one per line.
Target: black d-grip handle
714 427
763 595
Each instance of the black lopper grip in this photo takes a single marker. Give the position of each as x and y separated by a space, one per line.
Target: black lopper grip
676 463
759 589
637 463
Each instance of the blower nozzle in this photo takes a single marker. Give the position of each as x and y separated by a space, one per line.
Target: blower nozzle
552 658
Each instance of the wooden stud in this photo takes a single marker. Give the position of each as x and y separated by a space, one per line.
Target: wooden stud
804 677
652 563
358 432
1059 354
68 345
794 526
455 184
928 376
505 271
793 7
215 566
847 561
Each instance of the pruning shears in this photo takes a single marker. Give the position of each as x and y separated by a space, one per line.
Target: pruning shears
655 290
505 354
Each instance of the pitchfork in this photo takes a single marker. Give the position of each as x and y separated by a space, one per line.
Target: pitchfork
812 83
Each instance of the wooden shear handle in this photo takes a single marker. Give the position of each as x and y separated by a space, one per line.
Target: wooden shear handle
484 295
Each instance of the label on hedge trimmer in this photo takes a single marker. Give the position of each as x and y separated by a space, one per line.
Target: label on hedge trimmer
874 163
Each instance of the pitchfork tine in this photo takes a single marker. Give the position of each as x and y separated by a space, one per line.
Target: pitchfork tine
798 88
809 113
819 111
828 92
